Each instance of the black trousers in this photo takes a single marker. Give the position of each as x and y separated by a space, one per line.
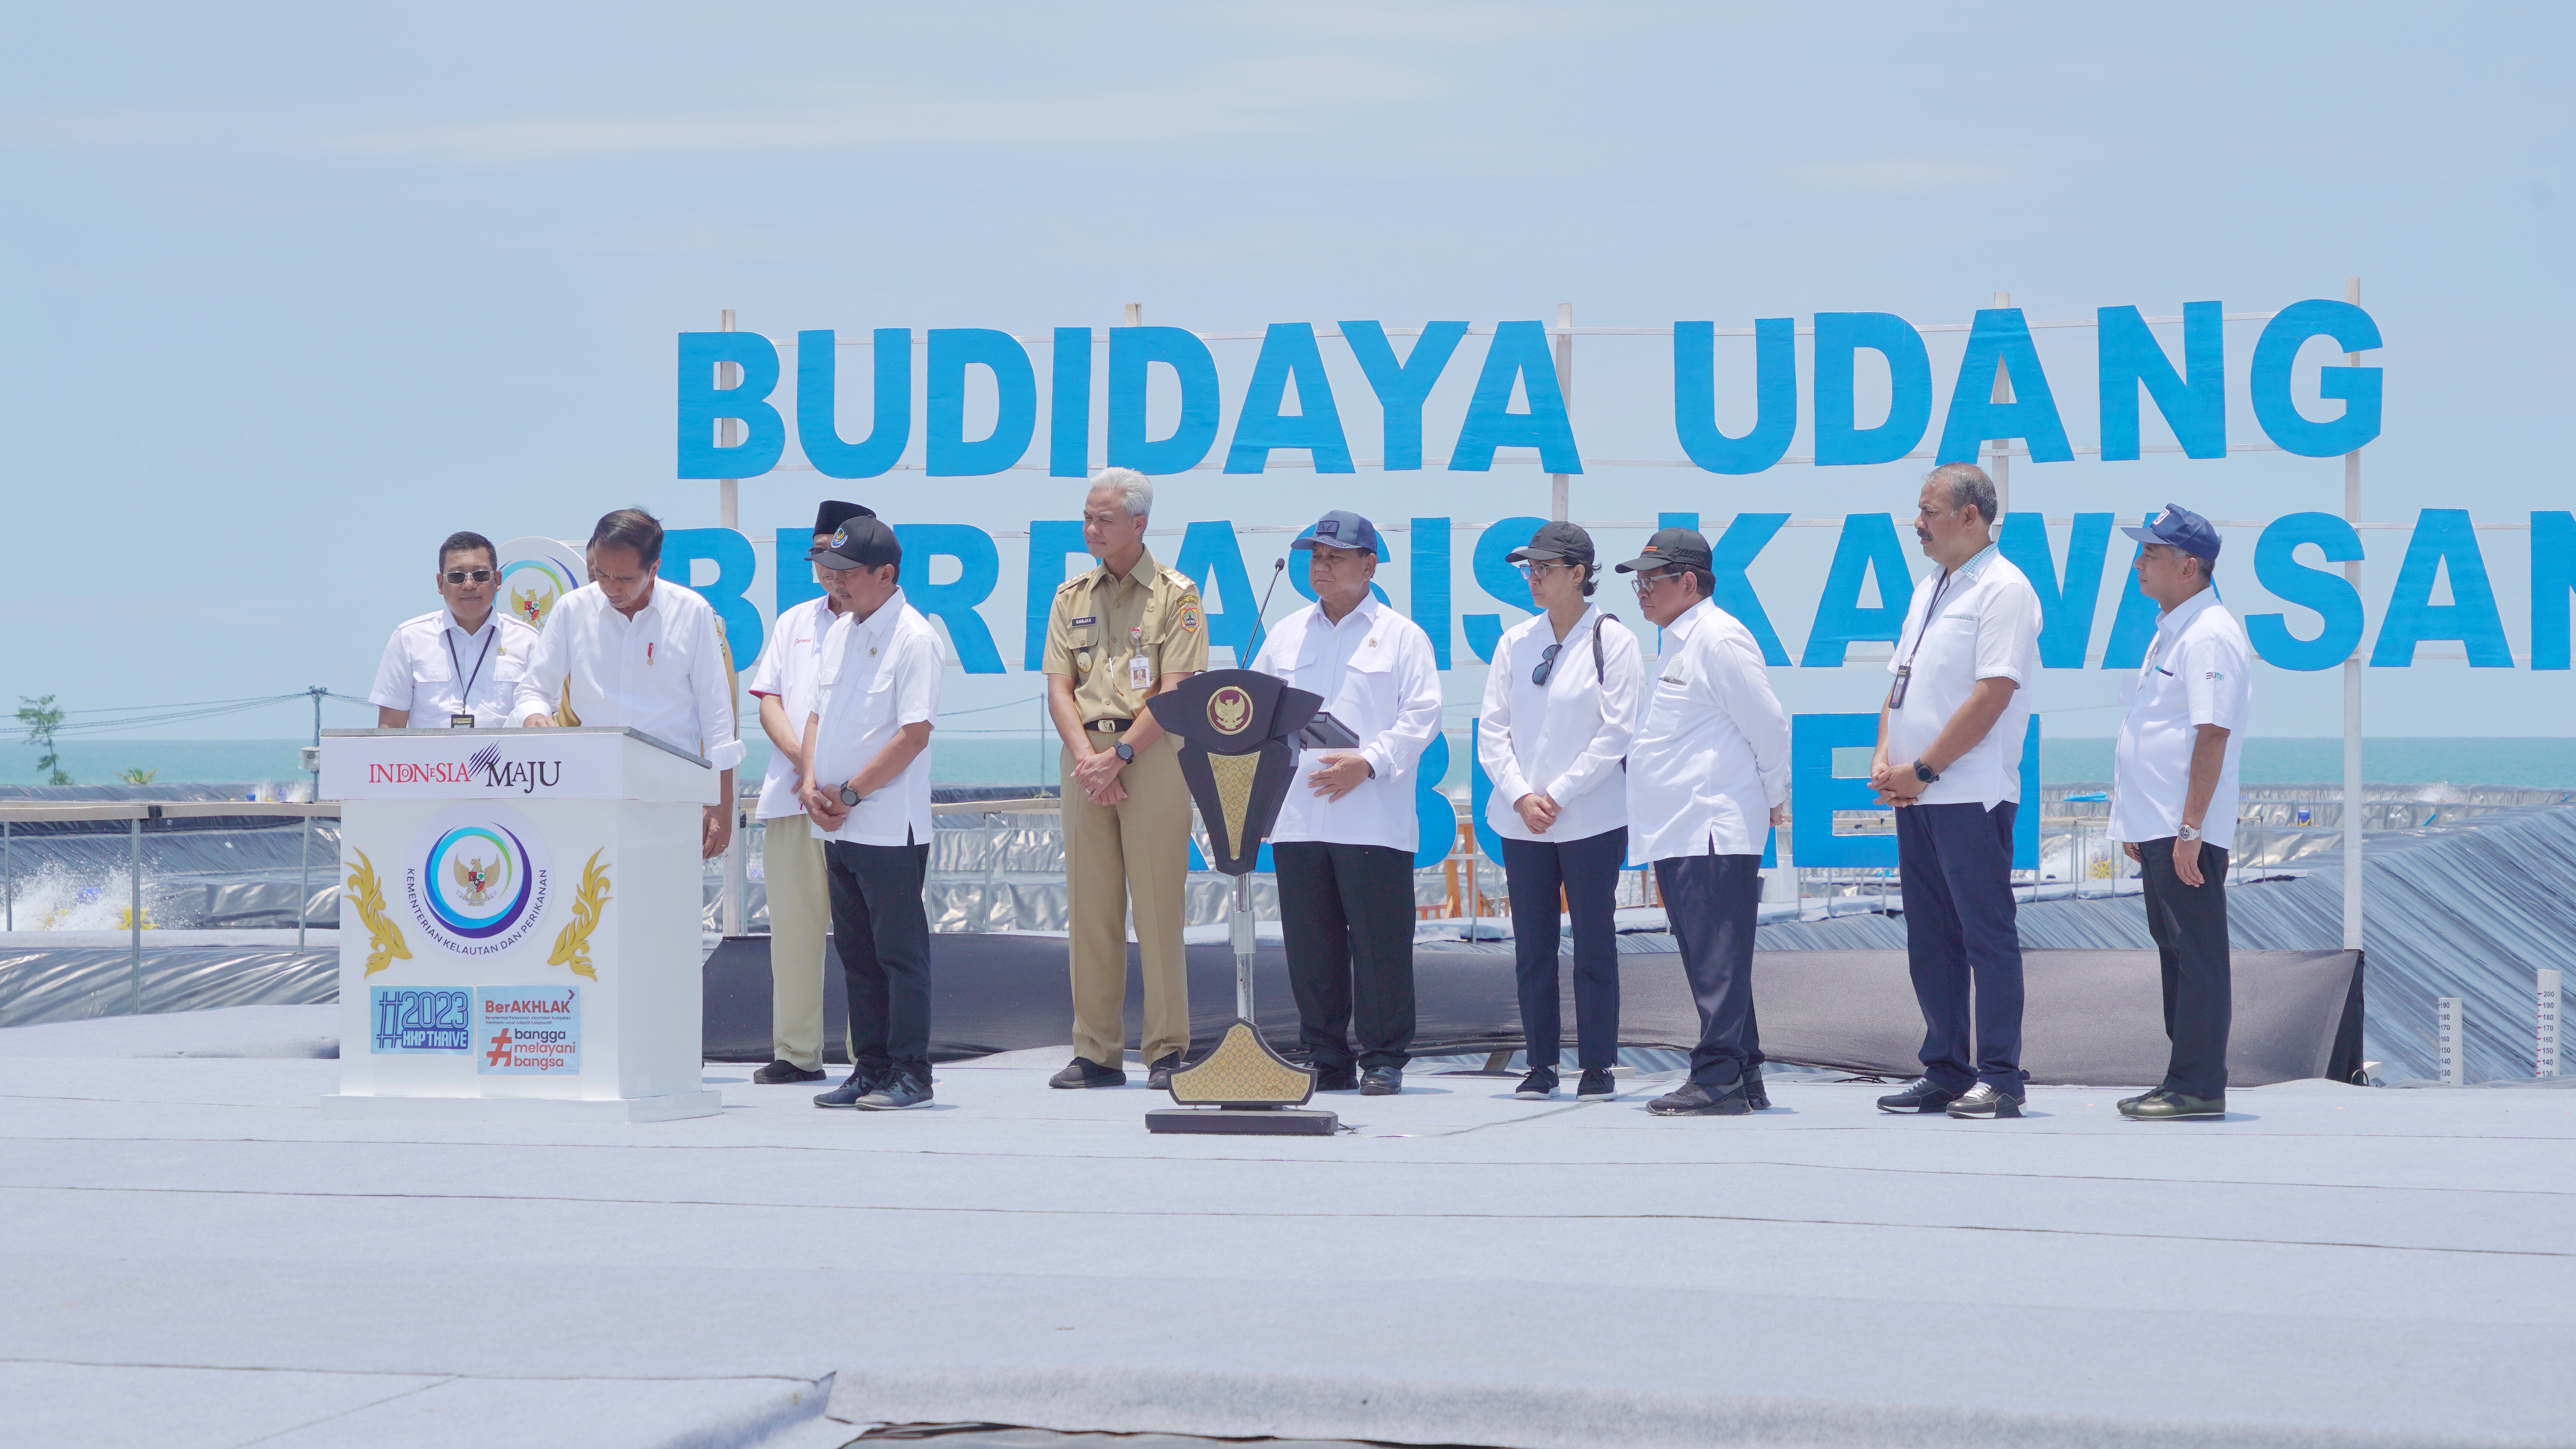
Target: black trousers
1346 913
2189 924
1587 871
1714 902
1959 928
882 933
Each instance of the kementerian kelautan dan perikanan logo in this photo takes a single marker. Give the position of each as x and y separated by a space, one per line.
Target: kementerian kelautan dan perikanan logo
477 880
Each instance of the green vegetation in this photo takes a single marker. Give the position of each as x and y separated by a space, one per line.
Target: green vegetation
41 719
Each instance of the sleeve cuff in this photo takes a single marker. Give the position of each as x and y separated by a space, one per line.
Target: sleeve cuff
727 755
2001 671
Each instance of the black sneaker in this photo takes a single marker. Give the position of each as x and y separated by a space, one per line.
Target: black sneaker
1381 1081
1084 1072
1754 1097
1694 1100
1336 1079
783 1070
1918 1095
1539 1085
1986 1100
901 1090
1158 1077
1597 1084
859 1083
2164 1104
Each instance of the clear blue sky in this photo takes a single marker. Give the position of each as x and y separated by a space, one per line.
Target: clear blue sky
293 290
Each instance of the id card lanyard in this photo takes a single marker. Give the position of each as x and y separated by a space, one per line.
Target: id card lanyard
1905 671
465 696
1140 670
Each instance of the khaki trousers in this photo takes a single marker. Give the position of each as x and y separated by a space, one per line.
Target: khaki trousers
1136 851
800 910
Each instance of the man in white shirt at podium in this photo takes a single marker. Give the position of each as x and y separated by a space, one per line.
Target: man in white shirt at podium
867 788
791 851
458 666
623 650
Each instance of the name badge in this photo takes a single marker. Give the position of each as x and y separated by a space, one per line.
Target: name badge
460 721
1140 673
1086 620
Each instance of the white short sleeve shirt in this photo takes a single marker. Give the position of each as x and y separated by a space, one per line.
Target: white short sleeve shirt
1563 739
1977 621
1711 756
788 666
1375 672
2199 671
432 669
877 675
663 671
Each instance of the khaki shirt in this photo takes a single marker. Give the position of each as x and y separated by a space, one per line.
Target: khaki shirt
1103 624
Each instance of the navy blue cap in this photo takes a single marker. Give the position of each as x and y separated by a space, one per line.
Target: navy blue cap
2181 528
1342 528
861 542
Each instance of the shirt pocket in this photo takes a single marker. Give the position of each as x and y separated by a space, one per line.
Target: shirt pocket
1368 693
430 666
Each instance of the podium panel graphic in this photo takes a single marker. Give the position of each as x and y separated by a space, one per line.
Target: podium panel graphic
520 934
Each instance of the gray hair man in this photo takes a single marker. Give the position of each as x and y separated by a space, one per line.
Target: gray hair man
1949 757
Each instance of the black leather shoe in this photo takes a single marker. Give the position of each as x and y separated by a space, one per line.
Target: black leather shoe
1986 1100
1754 1096
1597 1085
1084 1072
1159 1076
1538 1086
1918 1095
783 1070
2166 1105
1381 1081
858 1084
1694 1100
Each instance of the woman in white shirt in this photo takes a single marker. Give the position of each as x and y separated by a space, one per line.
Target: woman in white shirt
1560 705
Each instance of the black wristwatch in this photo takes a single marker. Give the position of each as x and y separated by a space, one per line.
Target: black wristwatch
1925 773
850 796
1126 752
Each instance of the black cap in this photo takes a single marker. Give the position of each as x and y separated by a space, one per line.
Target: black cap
834 513
861 542
1555 541
1670 547
1341 528
2181 528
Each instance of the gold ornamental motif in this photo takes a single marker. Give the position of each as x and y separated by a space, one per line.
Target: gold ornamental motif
384 938
572 943
1230 710
1234 775
1241 1071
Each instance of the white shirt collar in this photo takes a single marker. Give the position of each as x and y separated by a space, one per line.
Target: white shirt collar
447 614
1682 627
1364 612
2174 620
876 624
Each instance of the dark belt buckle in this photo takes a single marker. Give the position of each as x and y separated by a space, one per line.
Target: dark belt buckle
1108 726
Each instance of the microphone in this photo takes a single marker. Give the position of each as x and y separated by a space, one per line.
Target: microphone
1261 616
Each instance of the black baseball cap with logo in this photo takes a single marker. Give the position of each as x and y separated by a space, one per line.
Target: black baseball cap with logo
859 543
834 513
1670 548
1554 541
1341 528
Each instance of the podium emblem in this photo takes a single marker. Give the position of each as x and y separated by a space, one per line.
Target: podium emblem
477 880
1230 709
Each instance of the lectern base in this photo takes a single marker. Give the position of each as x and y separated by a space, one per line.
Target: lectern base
347 1107
1283 1122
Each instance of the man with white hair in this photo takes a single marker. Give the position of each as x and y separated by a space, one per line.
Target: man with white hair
1122 633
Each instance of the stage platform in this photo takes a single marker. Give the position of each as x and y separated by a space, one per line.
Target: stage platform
196 1256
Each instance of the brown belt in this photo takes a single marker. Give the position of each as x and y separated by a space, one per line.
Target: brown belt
1108 726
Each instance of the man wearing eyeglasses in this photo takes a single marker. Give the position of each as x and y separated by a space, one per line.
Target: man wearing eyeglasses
1708 776
1346 835
1949 757
458 665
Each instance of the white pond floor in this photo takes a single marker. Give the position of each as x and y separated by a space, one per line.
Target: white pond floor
192 1256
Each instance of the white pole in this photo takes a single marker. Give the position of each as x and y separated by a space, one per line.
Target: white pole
2449 1050
728 490
1999 460
1559 486
2352 804
2544 1060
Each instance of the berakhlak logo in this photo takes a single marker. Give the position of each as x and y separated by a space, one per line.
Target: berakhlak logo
477 880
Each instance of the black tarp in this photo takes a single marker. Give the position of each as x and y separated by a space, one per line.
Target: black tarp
2092 1017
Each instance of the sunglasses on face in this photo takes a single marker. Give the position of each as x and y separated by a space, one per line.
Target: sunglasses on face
458 576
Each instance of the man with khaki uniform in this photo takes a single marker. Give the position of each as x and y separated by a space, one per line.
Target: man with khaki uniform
1120 634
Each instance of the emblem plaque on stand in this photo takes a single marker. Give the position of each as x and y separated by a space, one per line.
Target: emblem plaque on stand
1238 734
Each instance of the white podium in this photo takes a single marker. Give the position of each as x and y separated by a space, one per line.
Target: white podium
519 930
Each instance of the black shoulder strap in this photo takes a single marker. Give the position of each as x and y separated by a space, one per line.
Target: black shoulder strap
1600 671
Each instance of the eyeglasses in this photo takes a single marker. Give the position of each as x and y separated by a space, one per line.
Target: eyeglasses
458 576
1645 583
1532 571
1546 663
